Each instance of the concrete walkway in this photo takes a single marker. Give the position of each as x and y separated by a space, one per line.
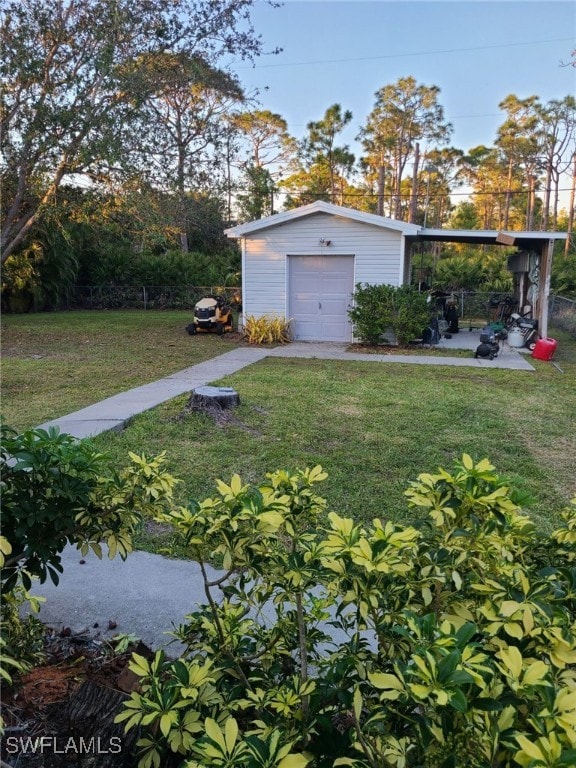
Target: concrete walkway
113 412
147 593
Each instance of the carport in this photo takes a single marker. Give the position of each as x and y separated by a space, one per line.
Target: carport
531 263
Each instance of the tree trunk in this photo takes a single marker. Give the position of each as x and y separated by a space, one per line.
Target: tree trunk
213 398
89 733
381 183
414 190
571 209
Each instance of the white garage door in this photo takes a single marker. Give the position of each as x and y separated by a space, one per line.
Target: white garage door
320 292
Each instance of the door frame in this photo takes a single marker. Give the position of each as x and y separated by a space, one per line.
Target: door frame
311 254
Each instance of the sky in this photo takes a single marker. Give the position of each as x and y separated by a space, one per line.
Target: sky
477 53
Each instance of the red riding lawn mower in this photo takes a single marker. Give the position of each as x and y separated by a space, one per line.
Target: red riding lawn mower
211 315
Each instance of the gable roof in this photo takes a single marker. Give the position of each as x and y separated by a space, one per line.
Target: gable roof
321 207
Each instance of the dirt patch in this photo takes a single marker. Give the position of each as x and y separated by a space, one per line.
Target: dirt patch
222 417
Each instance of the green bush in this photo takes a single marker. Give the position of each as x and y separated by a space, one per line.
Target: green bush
378 308
328 643
410 314
58 491
372 312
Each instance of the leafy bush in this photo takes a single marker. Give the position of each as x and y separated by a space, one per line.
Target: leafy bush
58 491
410 314
267 330
439 646
372 312
378 308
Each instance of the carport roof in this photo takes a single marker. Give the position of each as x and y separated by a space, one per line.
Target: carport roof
523 240
413 232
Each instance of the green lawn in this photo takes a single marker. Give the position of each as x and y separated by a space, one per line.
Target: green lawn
55 363
373 426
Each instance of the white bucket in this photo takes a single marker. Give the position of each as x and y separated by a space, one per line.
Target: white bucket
515 337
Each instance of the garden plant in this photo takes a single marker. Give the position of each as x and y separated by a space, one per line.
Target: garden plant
378 309
58 491
325 643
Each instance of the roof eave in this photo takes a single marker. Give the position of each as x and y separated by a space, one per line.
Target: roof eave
321 207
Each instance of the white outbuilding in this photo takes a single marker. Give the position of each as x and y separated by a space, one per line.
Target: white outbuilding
303 264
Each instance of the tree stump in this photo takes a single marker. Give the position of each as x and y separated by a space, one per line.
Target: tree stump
213 399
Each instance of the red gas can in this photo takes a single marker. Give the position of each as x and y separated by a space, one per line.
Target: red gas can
544 349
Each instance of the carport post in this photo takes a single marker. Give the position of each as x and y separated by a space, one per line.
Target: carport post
544 287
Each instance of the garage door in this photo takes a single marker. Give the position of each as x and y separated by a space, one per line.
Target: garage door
320 291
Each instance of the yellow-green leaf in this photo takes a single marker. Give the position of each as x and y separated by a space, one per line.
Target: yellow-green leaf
294 761
512 658
231 732
467 461
535 673
530 749
357 704
214 732
384 681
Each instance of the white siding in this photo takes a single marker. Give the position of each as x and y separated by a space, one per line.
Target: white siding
378 256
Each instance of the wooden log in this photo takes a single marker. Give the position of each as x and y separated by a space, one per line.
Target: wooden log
86 734
213 398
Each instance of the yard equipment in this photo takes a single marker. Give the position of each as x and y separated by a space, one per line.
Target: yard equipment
489 346
527 327
211 315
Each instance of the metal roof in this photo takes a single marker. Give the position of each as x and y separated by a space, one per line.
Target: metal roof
524 240
321 207
413 232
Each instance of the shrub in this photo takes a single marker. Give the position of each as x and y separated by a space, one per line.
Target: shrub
267 330
328 643
378 308
372 312
410 314
58 491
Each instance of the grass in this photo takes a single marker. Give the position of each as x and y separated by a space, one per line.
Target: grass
56 363
373 427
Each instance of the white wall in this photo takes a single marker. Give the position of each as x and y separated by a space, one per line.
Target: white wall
377 254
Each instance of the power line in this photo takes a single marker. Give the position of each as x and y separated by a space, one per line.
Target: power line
408 55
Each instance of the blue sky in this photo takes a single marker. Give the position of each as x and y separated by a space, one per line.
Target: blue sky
343 51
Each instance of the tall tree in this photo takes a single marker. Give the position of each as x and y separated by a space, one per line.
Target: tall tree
270 149
485 171
324 167
405 114
257 200
519 140
182 131
67 103
266 133
557 121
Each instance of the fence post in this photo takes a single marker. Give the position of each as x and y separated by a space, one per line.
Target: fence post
144 295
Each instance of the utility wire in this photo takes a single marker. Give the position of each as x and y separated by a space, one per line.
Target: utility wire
408 55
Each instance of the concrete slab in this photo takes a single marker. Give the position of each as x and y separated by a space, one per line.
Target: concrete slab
113 412
507 358
145 595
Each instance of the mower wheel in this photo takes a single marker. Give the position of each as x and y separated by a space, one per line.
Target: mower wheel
532 346
219 328
191 329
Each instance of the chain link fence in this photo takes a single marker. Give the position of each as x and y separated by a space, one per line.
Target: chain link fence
562 313
478 309
475 310
148 296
